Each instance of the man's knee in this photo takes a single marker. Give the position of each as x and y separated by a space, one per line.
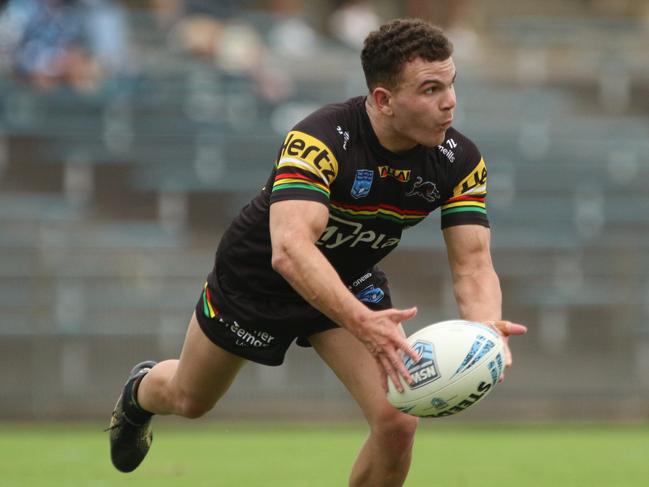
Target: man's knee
192 407
396 428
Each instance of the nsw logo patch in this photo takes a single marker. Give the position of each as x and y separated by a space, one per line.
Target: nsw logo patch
371 294
425 371
362 183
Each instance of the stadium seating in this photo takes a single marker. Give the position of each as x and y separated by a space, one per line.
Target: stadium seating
111 205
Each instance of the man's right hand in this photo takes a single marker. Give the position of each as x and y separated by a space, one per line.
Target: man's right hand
383 336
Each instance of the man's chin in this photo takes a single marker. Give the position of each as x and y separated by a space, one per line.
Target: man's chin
434 143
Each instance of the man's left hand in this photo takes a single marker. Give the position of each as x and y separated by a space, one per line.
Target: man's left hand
506 329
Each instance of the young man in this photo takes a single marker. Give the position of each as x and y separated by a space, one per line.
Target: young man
299 262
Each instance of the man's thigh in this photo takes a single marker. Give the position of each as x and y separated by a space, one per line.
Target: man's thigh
204 370
356 368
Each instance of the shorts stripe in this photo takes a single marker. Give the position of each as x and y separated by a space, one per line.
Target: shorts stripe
208 309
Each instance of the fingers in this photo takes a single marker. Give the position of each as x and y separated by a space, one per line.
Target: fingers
401 315
384 376
508 353
394 366
401 367
406 348
387 345
390 371
508 328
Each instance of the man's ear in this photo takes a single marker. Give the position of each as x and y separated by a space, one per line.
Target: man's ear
382 99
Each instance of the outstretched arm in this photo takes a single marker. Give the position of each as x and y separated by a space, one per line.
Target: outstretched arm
295 225
475 282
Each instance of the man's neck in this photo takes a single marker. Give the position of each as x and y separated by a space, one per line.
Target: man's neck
387 136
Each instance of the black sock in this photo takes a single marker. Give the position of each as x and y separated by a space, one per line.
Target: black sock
133 411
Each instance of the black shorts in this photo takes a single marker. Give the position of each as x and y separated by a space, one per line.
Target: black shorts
266 341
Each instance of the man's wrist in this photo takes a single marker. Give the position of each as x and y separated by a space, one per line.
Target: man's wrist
358 317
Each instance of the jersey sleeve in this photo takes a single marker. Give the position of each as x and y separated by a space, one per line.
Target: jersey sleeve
306 165
467 202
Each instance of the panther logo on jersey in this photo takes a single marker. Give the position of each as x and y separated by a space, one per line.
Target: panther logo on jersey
425 189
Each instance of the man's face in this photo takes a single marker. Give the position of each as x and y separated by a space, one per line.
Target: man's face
423 102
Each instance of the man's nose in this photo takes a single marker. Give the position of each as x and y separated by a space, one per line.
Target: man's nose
449 101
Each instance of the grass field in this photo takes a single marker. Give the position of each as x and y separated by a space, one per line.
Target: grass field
214 454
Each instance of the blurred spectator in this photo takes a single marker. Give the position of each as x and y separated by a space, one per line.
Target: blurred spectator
107 35
198 35
216 33
454 16
168 12
73 43
290 33
209 30
351 20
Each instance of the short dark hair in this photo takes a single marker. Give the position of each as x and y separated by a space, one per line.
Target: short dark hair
398 42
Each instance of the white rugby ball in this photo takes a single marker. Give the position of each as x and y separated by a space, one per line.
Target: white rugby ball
461 362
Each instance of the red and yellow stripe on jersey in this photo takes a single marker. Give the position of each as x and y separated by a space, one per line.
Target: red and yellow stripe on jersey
305 163
383 210
469 194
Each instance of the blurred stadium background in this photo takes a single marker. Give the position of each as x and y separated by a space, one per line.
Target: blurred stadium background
131 132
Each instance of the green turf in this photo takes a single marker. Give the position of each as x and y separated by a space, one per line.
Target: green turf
214 454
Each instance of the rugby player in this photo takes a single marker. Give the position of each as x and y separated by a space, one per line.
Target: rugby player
299 262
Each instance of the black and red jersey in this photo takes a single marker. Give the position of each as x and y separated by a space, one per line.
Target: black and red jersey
334 157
